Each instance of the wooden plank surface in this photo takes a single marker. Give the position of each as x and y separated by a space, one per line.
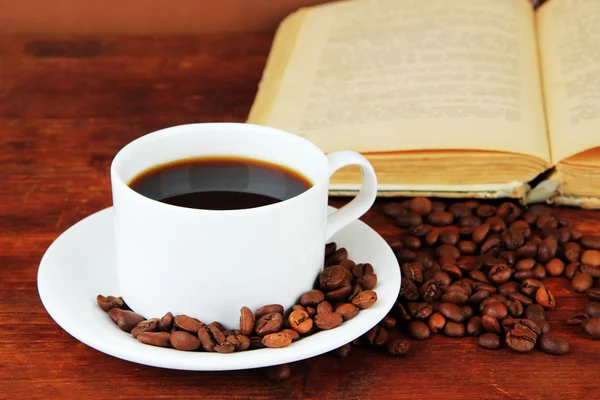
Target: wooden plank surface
66 107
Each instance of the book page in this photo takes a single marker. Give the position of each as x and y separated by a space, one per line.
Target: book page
394 75
569 34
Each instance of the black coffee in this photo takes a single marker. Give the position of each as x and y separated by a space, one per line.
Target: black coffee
220 183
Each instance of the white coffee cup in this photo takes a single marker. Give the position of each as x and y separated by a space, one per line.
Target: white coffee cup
209 263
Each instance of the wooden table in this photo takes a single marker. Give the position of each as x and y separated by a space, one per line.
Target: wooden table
66 107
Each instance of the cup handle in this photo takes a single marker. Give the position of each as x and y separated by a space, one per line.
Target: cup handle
365 198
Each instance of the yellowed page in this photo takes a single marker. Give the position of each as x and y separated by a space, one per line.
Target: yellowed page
391 75
569 34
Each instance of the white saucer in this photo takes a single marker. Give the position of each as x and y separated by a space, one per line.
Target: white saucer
80 265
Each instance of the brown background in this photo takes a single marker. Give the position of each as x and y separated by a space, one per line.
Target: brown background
161 17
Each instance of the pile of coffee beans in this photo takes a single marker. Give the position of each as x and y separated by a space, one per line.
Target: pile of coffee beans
343 289
475 269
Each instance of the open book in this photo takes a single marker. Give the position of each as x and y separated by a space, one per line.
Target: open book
482 98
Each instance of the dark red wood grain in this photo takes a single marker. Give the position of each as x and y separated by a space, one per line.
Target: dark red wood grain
66 107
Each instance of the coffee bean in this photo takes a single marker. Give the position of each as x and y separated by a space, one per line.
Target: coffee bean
268 323
410 242
447 250
452 312
594 294
490 324
544 252
337 257
513 238
474 326
225 348
207 340
546 221
499 273
408 290
454 329
255 343
330 279
347 264
479 286
342 351
479 276
347 311
509 287
592 309
430 291
324 307
440 218
336 295
300 321
187 324
398 347
387 322
539 272
450 236
419 310
150 325
159 339
467 247
480 233
277 340
469 221
109 302
515 308
279 373
485 211
239 342
582 282
246 321
436 322
552 343
330 248
391 210
367 282
365 299
571 251
452 270
431 238
520 339
490 341
576 234
216 330
577 319
328 321
413 271
591 327
522 298
590 242
496 310
491 244
126 320
182 340
442 277
542 324
545 298
376 336
555 267
571 269
268 309
497 224
399 312
310 298
478 297
535 311
418 330
591 258
528 250
420 205
530 286
594 272
166 322
408 219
